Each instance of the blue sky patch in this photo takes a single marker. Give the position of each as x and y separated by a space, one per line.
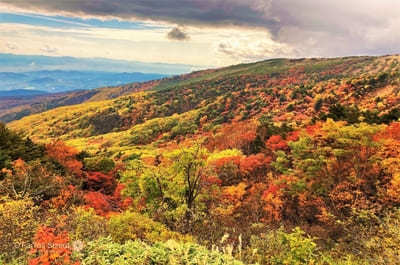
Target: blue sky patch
70 22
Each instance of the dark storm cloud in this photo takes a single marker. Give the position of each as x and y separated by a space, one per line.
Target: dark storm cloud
197 12
310 27
177 34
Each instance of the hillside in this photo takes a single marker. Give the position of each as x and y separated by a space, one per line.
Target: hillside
292 91
18 107
278 162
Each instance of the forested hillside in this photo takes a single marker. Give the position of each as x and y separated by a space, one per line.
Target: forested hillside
15 108
277 162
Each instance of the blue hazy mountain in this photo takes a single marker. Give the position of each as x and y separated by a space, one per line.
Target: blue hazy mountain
28 63
18 93
61 81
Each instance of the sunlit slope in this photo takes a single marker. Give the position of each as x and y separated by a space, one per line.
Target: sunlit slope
293 91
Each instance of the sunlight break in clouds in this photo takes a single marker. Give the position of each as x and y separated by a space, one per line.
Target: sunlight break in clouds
216 32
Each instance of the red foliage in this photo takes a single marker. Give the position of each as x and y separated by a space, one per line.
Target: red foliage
107 204
254 164
293 136
313 129
97 181
99 202
231 170
276 142
212 180
51 248
123 203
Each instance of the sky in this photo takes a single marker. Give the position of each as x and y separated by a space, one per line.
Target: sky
199 33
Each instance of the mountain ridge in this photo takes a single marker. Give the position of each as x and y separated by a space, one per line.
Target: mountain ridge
276 82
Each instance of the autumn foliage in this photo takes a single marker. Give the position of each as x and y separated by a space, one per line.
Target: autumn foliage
51 247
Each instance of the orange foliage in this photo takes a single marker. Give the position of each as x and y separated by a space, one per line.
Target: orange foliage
391 132
276 142
51 248
65 197
235 193
313 129
238 135
254 165
66 156
273 203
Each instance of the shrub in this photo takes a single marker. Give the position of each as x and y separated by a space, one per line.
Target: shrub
278 248
85 224
131 226
103 165
104 251
17 226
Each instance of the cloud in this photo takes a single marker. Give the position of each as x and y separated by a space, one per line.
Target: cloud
290 28
177 34
253 47
192 12
11 46
48 49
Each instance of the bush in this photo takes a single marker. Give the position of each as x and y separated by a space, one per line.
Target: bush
132 226
85 224
17 226
279 248
104 251
103 165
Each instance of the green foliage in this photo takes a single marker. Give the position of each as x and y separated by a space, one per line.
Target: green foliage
85 225
183 128
384 245
106 252
333 174
353 115
318 104
13 146
280 248
100 164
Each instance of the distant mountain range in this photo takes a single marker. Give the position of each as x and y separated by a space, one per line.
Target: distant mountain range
61 81
29 63
18 93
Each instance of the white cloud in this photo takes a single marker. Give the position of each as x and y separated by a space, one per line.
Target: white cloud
264 29
148 45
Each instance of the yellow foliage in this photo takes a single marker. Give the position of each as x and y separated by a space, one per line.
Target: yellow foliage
131 226
18 222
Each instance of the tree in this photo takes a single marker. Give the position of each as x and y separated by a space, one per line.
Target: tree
189 166
13 147
29 179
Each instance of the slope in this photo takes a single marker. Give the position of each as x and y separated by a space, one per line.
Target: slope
292 91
